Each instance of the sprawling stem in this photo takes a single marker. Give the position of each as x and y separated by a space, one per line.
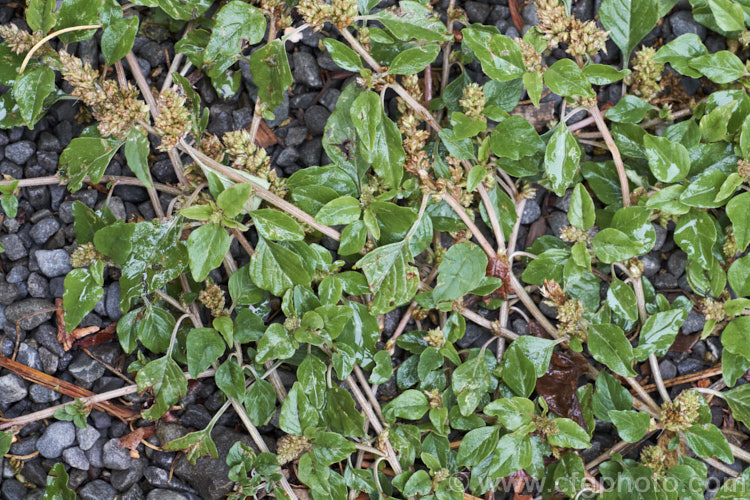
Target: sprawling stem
616 158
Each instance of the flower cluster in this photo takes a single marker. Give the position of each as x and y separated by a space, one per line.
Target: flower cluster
84 255
18 40
654 458
117 109
644 80
253 159
713 309
572 234
730 247
473 102
532 59
290 447
681 413
213 298
582 38
316 12
743 168
435 338
569 311
173 121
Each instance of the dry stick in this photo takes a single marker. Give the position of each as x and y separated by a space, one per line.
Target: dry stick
615 449
52 180
260 192
721 467
368 391
459 209
684 379
50 37
624 187
90 400
643 394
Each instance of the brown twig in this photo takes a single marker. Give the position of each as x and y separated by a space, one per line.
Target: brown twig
616 158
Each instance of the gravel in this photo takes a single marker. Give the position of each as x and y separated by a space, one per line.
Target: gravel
57 437
53 263
43 230
20 152
14 247
97 490
12 389
531 212
25 309
306 70
693 323
116 457
86 437
315 119
682 22
76 458
677 262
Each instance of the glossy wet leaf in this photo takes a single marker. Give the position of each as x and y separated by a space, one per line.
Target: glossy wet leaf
739 276
269 66
499 55
565 78
658 333
561 159
83 289
515 138
342 55
57 484
207 246
390 276
669 161
609 346
412 61
276 225
87 156
118 38
136 154
463 266
621 299
737 210
609 395
204 347
165 378
77 13
410 405
234 22
695 234
195 444
260 402
631 425
707 441
31 89
276 268
40 15
581 213
719 67
628 21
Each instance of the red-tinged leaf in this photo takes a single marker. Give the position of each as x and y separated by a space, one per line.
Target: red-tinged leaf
683 343
133 439
498 268
558 386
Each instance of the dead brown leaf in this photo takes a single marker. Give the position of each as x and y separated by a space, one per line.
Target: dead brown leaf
558 386
132 440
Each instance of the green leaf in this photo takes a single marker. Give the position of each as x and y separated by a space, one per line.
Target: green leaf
739 276
609 395
621 299
570 435
609 346
629 109
343 210
83 289
728 15
734 336
612 245
269 67
463 266
204 347
515 138
737 210
470 381
412 61
628 21
707 441
6 439
364 113
77 13
233 199
57 484
181 9
658 333
118 38
230 379
390 276
719 67
276 268
40 15
695 234
383 370
207 247
631 425
114 241
602 74
87 156
581 213
195 444
739 402
534 84
477 445
31 89
344 57
136 151
499 55
680 51
511 413
168 382
561 159
733 366
565 78
341 413
413 21
276 225
154 328
410 405
330 448
234 22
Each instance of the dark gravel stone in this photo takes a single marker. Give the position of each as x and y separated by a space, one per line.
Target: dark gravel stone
531 212
17 274
29 356
715 43
677 262
20 152
209 476
12 389
135 492
14 247
116 457
651 265
49 142
693 323
12 490
49 361
306 70
44 229
159 478
8 293
38 196
520 326
161 494
557 221
665 281
112 303
668 369
37 286
288 157
195 416
18 310
661 237
85 369
477 12
153 53
303 101
56 438
529 15
53 263
330 98
86 437
315 119
76 458
682 22
124 479
97 490
310 152
95 453
295 136
689 365
41 394
474 336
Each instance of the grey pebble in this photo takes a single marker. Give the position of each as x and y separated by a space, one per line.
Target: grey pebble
57 437
53 263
